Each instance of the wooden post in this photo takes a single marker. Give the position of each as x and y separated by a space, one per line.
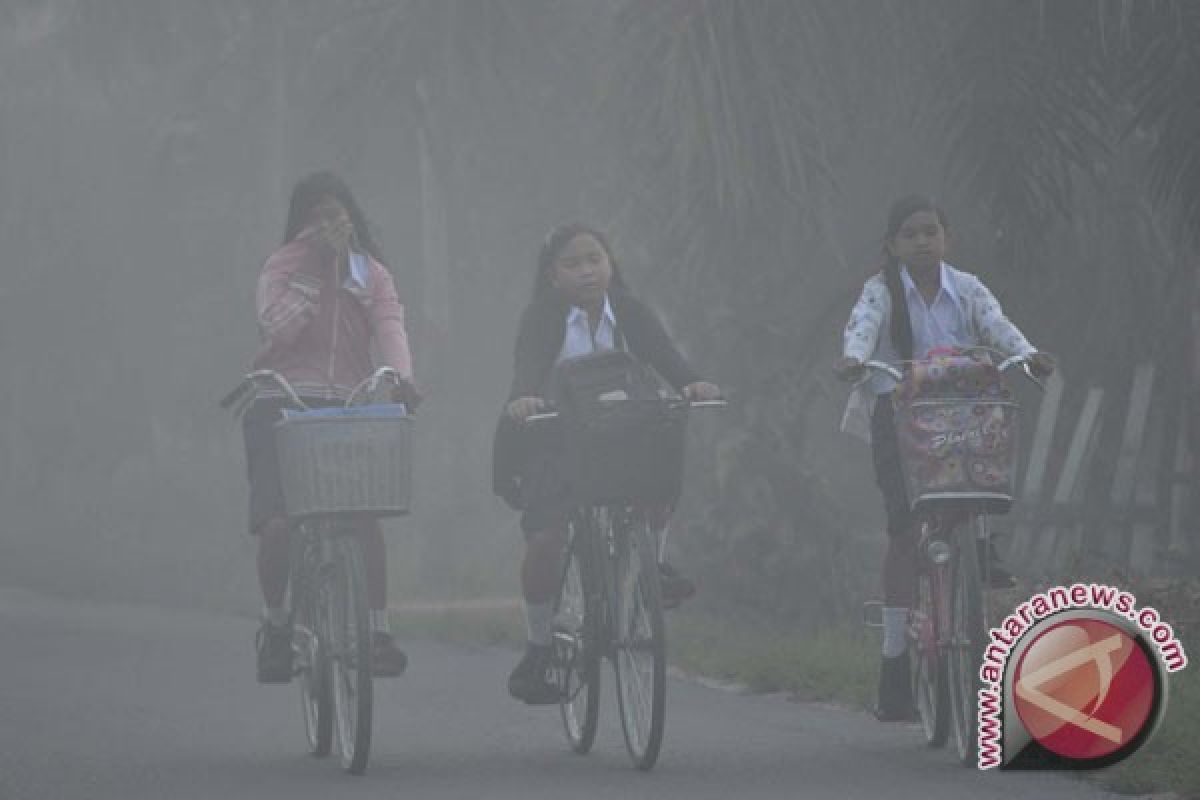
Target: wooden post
1069 486
1116 547
1035 472
1181 527
1144 549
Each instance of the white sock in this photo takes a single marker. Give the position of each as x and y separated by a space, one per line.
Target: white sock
379 621
276 616
539 621
895 621
659 537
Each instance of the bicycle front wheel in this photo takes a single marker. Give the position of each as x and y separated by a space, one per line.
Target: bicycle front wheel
966 645
576 650
640 646
310 649
350 650
927 662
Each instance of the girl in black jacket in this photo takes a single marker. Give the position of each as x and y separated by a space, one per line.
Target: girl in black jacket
580 305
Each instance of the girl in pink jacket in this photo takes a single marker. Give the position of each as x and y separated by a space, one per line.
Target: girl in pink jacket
327 312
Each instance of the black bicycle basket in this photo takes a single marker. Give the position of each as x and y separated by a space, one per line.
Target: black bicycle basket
624 440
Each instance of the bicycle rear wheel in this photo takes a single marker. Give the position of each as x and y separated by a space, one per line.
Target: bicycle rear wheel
640 645
350 650
966 646
576 645
927 663
310 648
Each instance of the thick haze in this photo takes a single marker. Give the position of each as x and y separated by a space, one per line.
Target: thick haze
146 153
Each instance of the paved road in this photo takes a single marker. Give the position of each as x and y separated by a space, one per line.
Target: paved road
128 702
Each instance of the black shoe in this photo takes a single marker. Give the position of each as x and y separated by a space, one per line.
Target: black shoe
676 587
998 577
273 644
528 681
895 690
387 660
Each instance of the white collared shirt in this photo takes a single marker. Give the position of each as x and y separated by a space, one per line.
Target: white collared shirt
943 323
578 339
359 274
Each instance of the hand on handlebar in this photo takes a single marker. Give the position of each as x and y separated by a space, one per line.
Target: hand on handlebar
524 407
849 369
1042 364
405 392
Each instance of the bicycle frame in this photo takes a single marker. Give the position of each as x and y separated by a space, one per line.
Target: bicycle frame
948 617
328 600
601 552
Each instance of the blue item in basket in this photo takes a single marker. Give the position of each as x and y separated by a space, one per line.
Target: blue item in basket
376 410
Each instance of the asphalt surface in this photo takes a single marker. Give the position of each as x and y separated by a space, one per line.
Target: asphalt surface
102 701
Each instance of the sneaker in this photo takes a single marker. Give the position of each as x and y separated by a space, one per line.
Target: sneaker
273 645
528 681
895 690
387 660
675 586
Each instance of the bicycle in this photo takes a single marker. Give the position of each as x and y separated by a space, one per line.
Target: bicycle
338 467
609 606
948 620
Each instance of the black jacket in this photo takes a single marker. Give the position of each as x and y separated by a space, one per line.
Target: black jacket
539 342
543 325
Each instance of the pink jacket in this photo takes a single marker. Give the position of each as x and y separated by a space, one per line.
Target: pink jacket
319 326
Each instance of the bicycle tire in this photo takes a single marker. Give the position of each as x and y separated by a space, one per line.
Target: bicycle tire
927 664
966 646
350 646
640 652
576 642
311 651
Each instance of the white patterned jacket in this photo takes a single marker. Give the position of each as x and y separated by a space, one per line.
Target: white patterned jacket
867 336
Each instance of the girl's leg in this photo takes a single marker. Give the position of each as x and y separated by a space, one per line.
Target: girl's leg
375 554
387 659
273 645
899 577
273 564
676 587
899 566
540 572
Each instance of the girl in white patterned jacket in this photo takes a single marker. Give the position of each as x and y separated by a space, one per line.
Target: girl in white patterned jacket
917 302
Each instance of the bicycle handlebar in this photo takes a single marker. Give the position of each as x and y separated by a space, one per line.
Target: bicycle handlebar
1004 366
544 416
245 392
372 383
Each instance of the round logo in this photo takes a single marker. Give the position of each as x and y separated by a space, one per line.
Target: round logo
1087 690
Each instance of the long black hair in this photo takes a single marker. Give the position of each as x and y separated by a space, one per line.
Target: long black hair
902 209
309 191
555 241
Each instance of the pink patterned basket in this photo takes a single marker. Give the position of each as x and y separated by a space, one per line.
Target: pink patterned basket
957 425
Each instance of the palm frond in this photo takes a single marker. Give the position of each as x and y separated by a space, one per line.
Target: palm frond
1024 114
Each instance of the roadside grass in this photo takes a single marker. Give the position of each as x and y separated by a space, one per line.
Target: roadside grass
836 664
1171 759
833 665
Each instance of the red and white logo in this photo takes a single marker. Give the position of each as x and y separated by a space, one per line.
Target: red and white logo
1086 689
